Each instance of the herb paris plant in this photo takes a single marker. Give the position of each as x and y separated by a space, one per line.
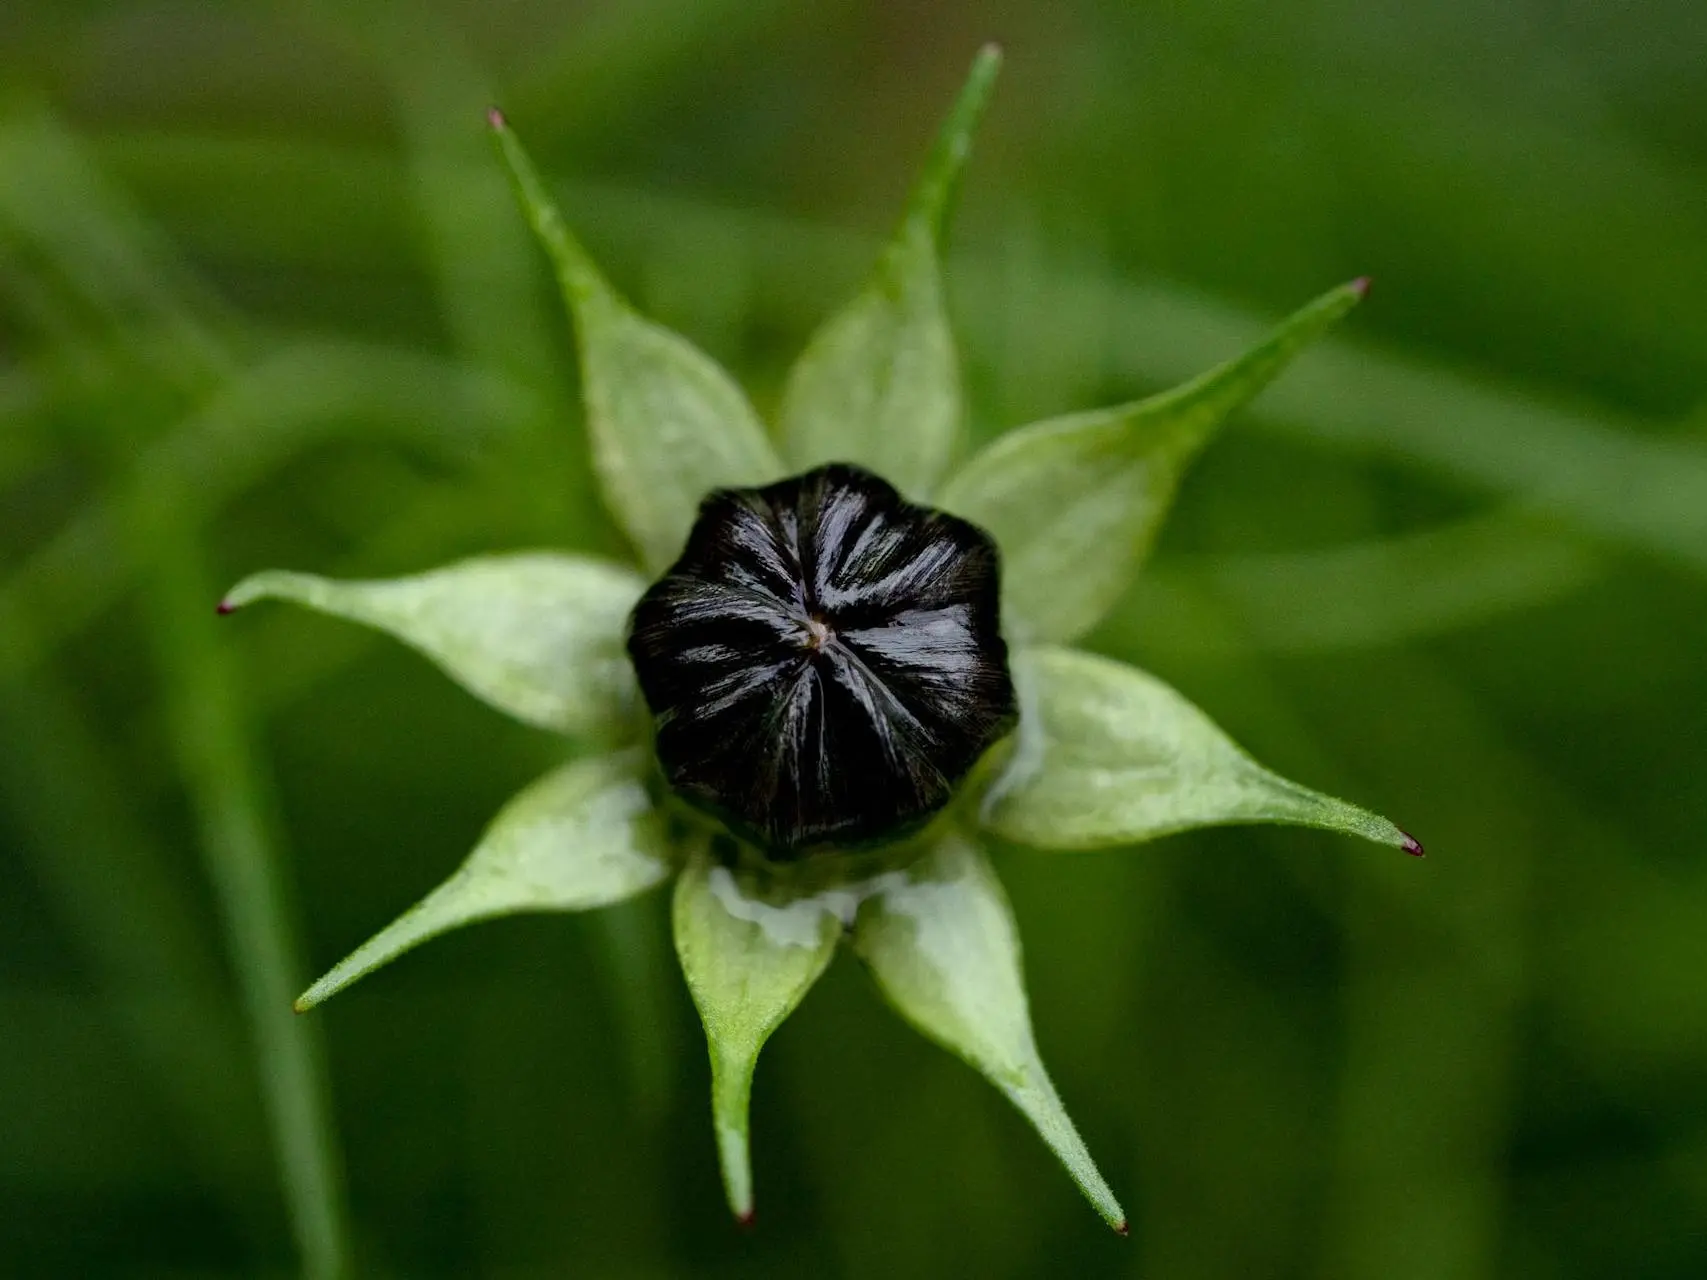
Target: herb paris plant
1104 755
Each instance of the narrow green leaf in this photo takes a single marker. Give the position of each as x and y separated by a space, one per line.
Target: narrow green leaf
536 634
750 958
1108 755
879 384
940 940
1075 502
584 835
668 425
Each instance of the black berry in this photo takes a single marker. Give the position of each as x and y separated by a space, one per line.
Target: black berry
824 662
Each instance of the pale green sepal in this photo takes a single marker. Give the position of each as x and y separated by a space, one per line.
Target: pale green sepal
536 634
879 383
585 835
667 424
1108 755
749 957
1075 502
940 939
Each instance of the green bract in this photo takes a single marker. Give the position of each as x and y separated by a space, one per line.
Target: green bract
1105 755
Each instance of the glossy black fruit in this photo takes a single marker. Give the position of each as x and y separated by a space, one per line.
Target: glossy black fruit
825 660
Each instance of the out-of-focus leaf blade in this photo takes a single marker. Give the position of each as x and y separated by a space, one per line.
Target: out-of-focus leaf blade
1075 502
667 424
879 384
585 835
1385 591
749 961
536 634
1108 755
940 939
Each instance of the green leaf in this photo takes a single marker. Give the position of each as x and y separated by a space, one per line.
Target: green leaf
1075 502
536 634
940 940
585 835
668 425
1108 755
749 957
879 383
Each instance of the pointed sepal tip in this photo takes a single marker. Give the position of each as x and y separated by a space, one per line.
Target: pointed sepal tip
927 207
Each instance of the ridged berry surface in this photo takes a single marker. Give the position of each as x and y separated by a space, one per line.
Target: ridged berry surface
825 661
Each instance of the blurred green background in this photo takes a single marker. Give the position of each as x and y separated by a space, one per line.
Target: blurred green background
264 301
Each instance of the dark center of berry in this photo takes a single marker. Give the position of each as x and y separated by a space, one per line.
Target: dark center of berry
824 662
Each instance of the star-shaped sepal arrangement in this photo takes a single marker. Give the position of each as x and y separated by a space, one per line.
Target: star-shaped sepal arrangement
825 661
827 627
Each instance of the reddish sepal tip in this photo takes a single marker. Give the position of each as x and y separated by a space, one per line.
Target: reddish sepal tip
495 118
224 607
1412 845
1122 1229
1360 286
745 1220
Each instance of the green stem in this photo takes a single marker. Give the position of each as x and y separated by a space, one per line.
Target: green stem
112 885
102 250
238 849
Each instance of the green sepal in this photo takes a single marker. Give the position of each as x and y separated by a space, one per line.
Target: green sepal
1109 755
749 955
667 423
585 835
879 383
939 937
1075 502
538 635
